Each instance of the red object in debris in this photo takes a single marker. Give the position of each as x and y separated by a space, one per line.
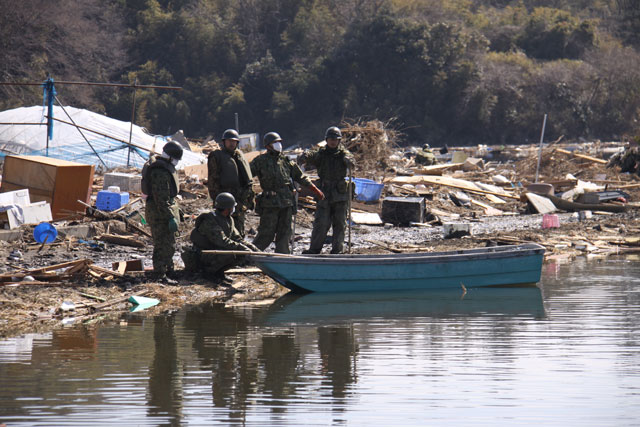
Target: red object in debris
622 199
550 221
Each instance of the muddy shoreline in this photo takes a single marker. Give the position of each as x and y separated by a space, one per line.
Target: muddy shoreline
37 308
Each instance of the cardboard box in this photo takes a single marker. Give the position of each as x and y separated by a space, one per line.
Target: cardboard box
58 182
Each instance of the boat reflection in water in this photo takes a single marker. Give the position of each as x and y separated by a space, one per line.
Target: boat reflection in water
353 306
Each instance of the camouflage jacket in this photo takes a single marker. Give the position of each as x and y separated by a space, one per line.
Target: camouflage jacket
332 168
277 174
161 206
215 231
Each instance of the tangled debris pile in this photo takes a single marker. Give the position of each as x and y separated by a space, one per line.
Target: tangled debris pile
372 144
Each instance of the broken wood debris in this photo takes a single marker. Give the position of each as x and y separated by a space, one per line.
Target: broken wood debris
122 240
51 276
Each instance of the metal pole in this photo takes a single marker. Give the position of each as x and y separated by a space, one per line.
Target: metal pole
350 193
133 117
50 91
295 215
85 138
94 84
237 125
106 135
544 124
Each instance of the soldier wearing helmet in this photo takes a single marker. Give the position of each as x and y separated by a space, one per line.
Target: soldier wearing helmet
276 204
161 185
425 156
333 162
216 230
229 171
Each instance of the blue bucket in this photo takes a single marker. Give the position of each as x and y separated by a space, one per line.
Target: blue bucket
367 190
43 231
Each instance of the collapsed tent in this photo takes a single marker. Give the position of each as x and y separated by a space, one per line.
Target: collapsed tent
23 131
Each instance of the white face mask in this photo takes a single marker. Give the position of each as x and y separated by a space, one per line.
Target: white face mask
277 146
175 162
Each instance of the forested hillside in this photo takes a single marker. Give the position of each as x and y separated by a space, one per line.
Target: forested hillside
445 71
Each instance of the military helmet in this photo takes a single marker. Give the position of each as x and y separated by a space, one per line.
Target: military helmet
333 132
173 150
225 201
231 134
270 138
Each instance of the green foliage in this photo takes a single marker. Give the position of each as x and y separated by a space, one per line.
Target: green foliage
476 71
629 18
553 34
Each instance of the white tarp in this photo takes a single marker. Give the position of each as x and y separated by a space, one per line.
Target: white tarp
69 144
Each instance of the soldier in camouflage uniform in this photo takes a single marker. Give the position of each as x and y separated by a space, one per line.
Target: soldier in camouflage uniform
216 231
426 156
333 162
276 204
161 185
229 172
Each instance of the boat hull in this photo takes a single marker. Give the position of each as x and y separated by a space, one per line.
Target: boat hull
494 266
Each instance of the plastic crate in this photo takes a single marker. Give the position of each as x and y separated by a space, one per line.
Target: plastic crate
110 201
367 190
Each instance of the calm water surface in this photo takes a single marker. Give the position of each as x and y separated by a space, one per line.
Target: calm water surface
567 353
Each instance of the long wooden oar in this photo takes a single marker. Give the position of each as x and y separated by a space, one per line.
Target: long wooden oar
273 254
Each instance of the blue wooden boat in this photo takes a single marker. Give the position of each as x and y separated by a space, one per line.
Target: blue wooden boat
491 266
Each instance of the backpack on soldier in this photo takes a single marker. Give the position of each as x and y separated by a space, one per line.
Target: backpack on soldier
145 184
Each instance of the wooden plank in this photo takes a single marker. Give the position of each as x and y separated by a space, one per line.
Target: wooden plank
448 182
367 218
122 240
101 270
58 266
437 169
119 300
488 210
582 156
494 199
14 284
540 203
244 270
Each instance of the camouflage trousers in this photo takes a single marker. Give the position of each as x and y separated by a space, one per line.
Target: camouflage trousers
164 246
275 223
329 215
209 264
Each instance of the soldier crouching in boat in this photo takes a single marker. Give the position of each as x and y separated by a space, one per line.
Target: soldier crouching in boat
216 231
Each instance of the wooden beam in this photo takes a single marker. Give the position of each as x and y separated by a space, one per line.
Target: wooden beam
582 156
